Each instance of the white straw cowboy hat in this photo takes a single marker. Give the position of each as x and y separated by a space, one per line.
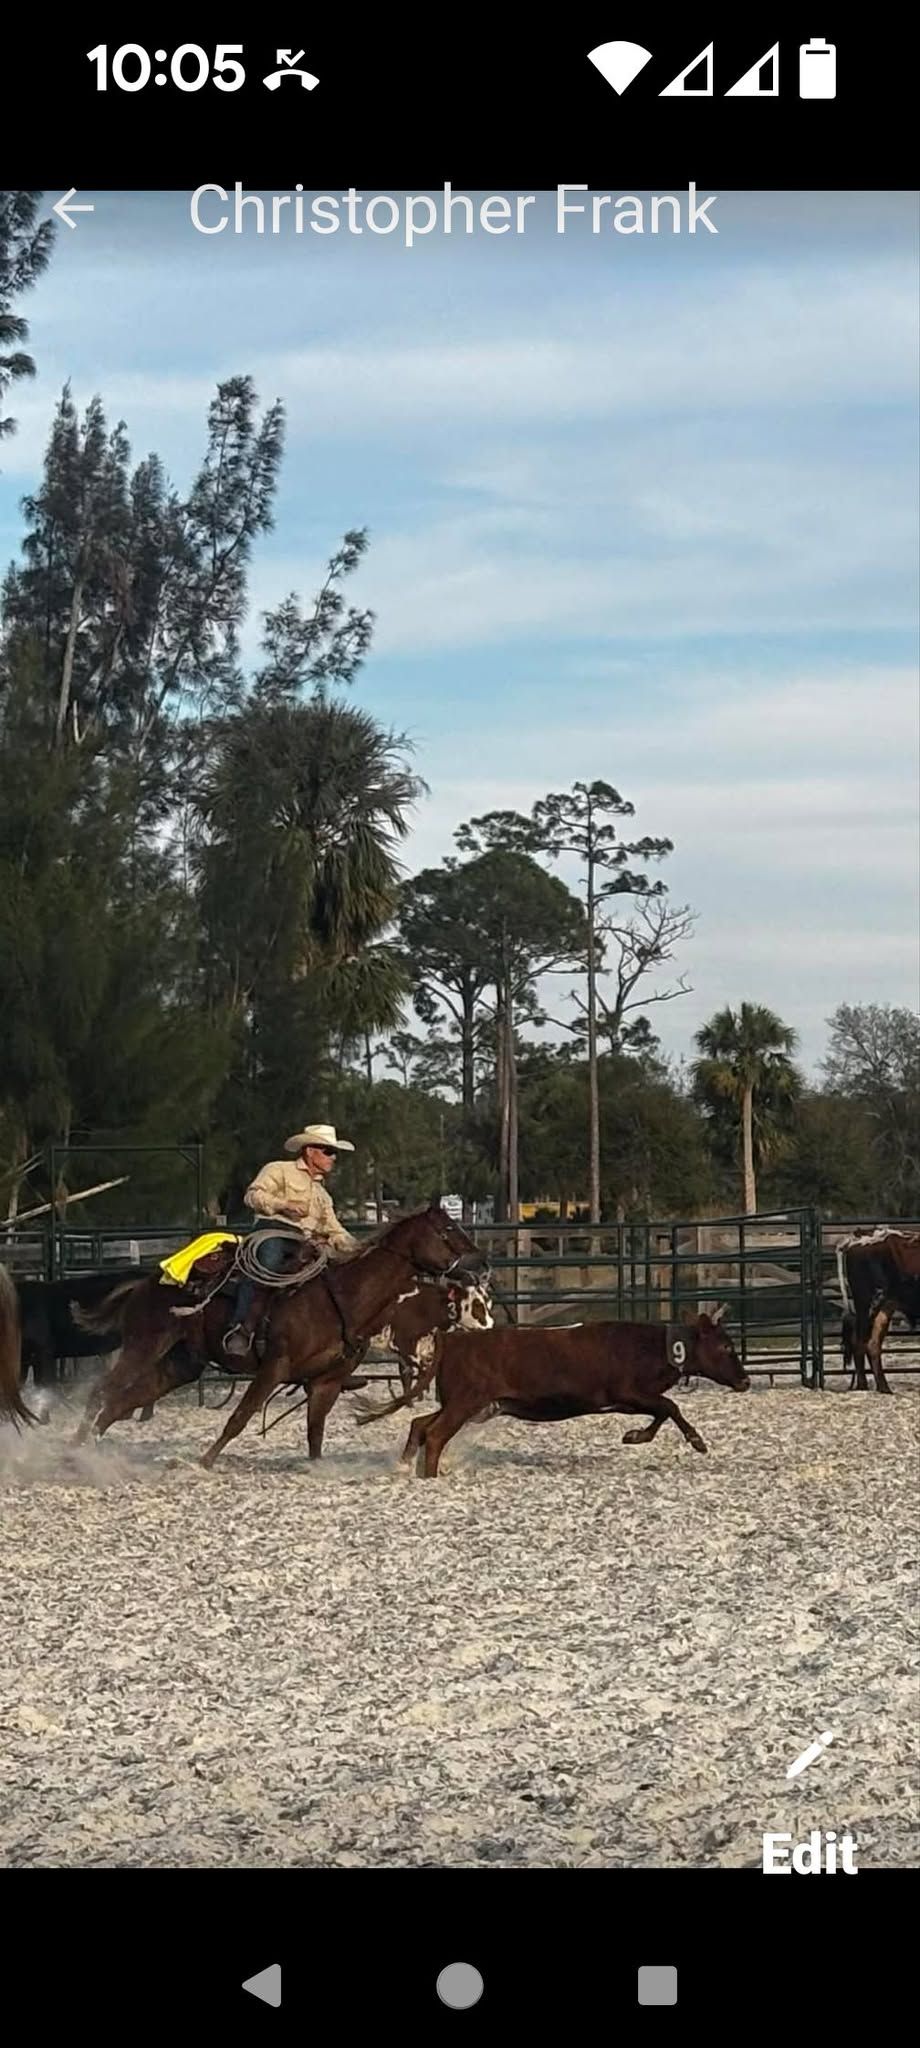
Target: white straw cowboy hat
318 1134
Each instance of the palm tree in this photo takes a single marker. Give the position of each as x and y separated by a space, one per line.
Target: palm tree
746 1061
303 809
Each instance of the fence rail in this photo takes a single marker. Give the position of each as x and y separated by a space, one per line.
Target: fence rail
776 1272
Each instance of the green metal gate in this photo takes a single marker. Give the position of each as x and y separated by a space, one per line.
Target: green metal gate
766 1268
777 1273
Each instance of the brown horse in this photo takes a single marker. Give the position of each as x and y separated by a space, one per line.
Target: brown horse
12 1405
316 1332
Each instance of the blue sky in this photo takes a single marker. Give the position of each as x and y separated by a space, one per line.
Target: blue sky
641 508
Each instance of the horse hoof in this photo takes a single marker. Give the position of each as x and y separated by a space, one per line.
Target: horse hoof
698 1444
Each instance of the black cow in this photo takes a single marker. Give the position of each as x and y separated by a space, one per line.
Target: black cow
879 1278
49 1333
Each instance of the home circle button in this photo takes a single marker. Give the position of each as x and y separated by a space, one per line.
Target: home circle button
459 1986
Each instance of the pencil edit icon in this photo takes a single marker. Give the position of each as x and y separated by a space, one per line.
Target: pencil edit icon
811 1754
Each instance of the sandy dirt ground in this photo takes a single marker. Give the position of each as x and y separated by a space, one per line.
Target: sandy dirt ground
564 1652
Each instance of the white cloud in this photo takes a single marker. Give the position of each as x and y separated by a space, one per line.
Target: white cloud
747 548
679 343
768 335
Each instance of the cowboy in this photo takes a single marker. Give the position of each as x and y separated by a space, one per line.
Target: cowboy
291 1191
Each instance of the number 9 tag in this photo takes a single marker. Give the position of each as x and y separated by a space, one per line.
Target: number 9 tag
679 1351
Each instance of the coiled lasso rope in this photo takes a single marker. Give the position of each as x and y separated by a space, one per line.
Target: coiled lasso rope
246 1262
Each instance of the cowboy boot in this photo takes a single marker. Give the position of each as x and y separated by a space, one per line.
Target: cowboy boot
238 1341
238 1338
241 1336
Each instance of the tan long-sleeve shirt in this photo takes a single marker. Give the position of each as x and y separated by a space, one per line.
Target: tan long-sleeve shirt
285 1184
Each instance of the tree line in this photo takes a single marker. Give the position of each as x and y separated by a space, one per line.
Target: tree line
207 931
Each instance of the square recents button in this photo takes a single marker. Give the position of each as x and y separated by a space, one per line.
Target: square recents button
658 1984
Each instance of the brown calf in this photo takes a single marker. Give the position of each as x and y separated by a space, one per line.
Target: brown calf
595 1369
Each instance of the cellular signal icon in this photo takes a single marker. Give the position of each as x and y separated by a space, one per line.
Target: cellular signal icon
619 63
761 82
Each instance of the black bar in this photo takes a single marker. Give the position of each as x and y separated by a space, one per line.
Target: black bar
483 100
557 1947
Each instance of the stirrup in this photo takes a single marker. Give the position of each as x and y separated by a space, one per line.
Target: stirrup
238 1349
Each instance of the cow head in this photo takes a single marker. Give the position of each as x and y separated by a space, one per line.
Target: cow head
714 1354
469 1304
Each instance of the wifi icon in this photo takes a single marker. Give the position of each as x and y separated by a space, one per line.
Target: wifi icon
619 63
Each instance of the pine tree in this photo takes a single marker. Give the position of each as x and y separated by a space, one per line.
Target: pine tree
25 251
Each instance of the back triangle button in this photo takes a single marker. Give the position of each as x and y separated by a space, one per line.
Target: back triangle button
266 1985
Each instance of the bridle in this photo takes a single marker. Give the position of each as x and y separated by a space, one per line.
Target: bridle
443 1273
354 1347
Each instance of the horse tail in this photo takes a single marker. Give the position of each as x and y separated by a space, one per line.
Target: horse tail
12 1405
108 1313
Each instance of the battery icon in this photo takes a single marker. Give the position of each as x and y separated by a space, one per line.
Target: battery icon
817 70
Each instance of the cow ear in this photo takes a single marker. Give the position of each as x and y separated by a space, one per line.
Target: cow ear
687 1316
435 1202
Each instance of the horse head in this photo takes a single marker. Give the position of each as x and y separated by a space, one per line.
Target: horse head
440 1246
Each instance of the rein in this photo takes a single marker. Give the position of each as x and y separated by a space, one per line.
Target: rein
353 1346
419 1272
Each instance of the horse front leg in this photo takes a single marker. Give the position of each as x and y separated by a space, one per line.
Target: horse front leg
322 1396
272 1373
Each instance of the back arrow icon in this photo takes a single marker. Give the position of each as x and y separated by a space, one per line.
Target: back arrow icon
63 208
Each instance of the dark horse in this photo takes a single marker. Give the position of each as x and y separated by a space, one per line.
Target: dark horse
316 1332
12 1405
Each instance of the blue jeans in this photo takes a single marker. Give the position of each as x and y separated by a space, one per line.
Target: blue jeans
272 1255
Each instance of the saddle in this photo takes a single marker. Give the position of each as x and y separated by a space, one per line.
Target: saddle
216 1271
214 1267
301 1259
205 1276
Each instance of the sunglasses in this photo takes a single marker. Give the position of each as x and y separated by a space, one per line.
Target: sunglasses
328 1151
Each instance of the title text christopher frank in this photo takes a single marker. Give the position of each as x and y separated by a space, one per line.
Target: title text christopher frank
413 215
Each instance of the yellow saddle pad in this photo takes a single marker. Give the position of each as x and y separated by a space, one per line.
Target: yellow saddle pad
180 1265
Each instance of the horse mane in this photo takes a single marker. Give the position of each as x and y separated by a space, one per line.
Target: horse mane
385 1231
